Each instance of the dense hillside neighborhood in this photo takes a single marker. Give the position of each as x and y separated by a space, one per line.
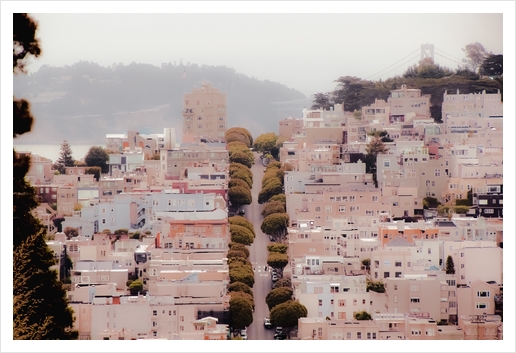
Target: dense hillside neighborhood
377 224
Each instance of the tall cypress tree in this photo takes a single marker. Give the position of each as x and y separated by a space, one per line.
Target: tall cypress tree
40 306
65 158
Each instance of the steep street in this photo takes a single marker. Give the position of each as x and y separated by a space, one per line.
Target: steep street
258 257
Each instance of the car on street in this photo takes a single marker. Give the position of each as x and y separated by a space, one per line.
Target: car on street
241 212
267 322
274 278
280 336
243 333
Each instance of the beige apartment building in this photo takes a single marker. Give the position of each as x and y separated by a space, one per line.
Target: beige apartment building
406 100
205 113
289 127
469 112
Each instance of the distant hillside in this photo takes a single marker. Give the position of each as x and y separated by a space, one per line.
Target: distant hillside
83 102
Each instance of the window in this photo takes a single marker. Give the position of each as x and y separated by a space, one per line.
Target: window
438 172
386 274
154 312
414 300
342 208
369 335
320 302
375 198
354 302
397 264
348 334
397 274
342 302
359 335
414 287
317 209
386 163
481 305
482 294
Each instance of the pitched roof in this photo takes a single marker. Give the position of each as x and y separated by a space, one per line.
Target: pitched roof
399 241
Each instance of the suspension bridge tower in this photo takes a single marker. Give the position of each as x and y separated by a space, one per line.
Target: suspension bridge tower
427 51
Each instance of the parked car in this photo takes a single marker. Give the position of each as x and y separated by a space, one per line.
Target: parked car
241 212
274 278
279 329
267 322
280 336
243 333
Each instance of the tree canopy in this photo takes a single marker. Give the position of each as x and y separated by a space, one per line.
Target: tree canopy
241 157
273 187
278 296
362 316
242 221
265 142
277 247
243 175
40 306
492 65
450 266
65 158
240 287
97 157
239 134
287 314
239 196
375 286
241 274
273 207
241 312
279 197
282 282
277 260
240 234
275 225
475 56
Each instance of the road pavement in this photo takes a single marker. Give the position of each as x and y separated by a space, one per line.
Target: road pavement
258 257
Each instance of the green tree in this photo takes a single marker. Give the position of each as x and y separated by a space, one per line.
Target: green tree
239 196
241 312
277 247
366 263
323 101
238 182
240 247
450 266
273 207
240 287
278 296
236 253
430 202
280 197
273 187
240 234
492 65
241 221
241 274
282 282
244 295
287 315
97 157
242 158
71 232
135 287
276 225
243 175
362 316
475 56
375 286
265 142
236 167
40 304
65 158
373 149
277 260
239 131
96 171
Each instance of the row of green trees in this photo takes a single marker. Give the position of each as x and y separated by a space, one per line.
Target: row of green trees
241 274
97 158
239 141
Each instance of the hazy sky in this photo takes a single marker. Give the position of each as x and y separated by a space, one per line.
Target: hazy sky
303 51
